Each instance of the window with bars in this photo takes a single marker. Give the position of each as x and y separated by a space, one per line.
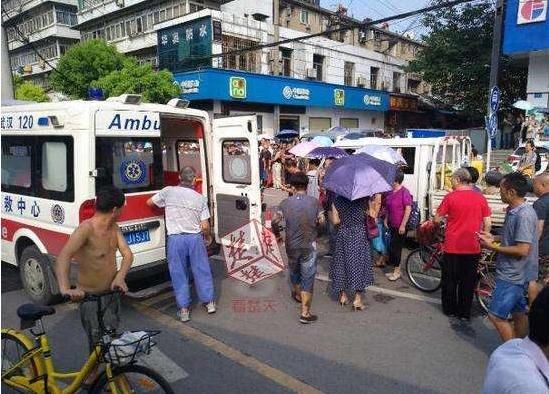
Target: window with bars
348 73
246 61
286 55
374 76
318 65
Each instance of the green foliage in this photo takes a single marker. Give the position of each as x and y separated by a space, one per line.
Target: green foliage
29 91
83 63
456 61
156 87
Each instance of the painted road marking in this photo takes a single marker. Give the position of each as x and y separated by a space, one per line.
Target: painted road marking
277 376
160 362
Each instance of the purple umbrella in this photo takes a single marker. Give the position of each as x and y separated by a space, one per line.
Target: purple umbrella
358 176
322 152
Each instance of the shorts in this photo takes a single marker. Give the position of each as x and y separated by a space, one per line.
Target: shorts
110 307
302 264
508 298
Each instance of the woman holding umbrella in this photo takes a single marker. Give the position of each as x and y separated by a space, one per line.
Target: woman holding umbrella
352 179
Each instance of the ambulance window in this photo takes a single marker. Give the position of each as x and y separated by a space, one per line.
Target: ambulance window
54 166
131 164
236 161
188 154
16 164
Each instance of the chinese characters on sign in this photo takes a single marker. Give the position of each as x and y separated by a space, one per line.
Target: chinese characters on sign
190 86
251 253
399 103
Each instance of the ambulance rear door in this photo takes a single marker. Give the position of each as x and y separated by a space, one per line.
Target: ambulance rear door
235 173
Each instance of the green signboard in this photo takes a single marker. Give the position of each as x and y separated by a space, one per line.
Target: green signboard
339 97
237 87
187 46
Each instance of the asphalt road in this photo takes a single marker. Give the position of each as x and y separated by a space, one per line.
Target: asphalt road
402 343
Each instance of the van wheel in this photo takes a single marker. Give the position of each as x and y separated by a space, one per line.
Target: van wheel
36 275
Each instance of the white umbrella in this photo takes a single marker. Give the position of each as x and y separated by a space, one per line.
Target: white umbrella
264 137
524 105
383 152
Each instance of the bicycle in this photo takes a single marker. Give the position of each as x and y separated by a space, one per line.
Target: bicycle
31 367
423 267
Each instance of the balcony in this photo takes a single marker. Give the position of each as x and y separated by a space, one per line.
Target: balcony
15 7
55 30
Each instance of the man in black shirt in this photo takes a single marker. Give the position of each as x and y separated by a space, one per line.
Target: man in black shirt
541 206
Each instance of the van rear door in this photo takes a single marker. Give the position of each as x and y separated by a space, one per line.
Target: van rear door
235 173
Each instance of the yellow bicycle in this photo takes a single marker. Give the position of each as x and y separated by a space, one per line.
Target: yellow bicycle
27 365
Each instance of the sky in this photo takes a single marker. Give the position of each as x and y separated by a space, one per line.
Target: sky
377 9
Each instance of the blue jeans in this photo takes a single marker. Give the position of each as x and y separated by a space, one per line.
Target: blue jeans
302 264
508 298
188 251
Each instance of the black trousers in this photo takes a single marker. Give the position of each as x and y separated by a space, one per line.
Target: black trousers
459 278
395 247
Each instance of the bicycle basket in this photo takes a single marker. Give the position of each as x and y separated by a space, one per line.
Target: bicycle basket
127 347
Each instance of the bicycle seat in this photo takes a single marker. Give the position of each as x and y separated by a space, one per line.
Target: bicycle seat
33 312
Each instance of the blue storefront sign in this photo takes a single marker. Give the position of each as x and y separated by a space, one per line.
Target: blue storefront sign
229 85
526 26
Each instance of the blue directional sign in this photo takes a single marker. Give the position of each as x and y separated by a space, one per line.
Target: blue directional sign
495 97
492 125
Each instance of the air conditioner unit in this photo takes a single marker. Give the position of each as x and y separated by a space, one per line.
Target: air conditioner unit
362 37
311 72
288 11
361 81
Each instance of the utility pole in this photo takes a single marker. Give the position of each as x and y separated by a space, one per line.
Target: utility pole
6 79
275 66
494 67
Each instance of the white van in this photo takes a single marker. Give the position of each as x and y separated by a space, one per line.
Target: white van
55 156
428 159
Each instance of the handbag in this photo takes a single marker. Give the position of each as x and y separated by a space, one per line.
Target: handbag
372 231
378 243
415 215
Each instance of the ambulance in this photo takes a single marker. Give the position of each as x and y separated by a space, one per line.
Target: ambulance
56 156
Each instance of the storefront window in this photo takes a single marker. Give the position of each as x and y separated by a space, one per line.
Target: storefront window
319 124
349 123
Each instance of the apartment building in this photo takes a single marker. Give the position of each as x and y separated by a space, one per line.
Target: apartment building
38 34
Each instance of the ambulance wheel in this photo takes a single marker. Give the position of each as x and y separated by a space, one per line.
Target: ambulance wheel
37 276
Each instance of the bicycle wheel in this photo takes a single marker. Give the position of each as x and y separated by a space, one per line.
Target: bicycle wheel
485 287
424 270
132 378
13 349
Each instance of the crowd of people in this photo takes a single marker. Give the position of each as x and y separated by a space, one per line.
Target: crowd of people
518 129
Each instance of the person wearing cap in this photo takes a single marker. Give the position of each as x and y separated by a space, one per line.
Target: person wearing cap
187 225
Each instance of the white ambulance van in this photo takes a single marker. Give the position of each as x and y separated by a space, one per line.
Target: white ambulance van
56 156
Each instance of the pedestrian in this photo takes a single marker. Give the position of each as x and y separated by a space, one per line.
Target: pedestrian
473 172
313 189
326 199
507 135
265 157
351 270
518 249
398 206
522 365
517 131
93 245
492 179
527 161
290 169
303 215
467 213
541 206
376 214
188 228
277 173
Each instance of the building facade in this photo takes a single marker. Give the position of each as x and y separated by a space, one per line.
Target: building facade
526 38
38 33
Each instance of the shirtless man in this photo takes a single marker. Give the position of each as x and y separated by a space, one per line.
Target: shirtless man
93 245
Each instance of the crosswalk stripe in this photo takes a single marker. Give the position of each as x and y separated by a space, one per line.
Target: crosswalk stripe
165 365
276 375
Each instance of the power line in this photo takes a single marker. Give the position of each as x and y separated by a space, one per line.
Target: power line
351 25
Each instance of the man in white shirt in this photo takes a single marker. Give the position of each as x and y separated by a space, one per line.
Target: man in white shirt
187 225
522 365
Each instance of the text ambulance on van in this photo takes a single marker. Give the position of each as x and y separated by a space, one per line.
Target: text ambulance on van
55 156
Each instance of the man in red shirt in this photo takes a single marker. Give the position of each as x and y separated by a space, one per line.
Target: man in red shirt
467 213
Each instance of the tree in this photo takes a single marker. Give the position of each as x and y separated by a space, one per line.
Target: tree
156 87
456 59
83 63
28 91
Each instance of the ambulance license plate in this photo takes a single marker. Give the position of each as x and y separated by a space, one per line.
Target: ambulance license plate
137 237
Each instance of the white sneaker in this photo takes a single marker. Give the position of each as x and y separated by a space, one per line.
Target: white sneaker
210 307
184 315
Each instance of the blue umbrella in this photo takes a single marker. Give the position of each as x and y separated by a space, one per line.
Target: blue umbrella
323 152
287 133
322 140
358 176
